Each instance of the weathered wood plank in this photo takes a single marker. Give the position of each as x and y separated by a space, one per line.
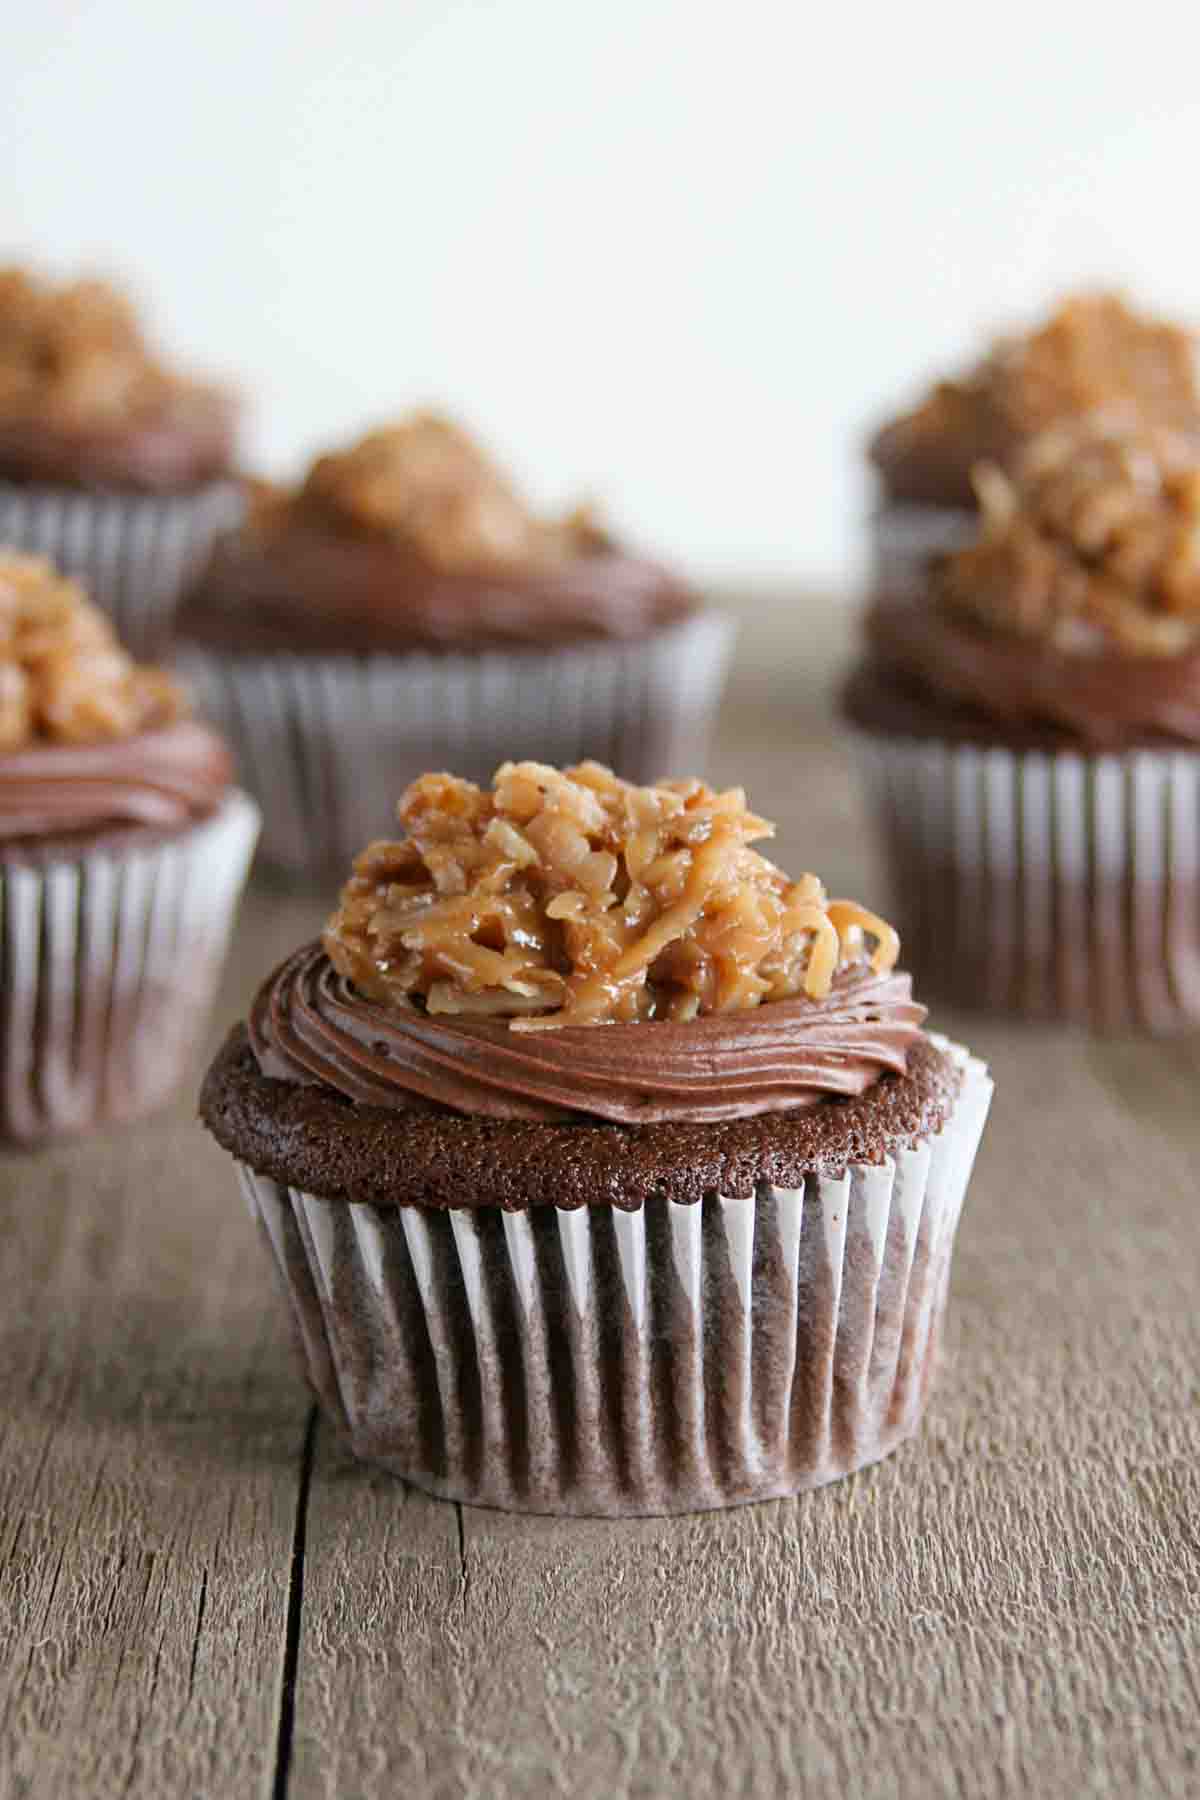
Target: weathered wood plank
1010 1605
380 1696
149 1462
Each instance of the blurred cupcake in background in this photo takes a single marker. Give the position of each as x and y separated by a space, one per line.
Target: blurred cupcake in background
110 463
123 849
1093 352
403 609
1031 725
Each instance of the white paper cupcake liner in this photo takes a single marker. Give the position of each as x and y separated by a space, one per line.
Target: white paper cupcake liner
328 744
1048 884
905 538
603 1362
109 963
134 553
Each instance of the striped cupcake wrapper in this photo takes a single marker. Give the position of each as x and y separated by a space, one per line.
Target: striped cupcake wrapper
905 538
110 961
134 553
668 1359
1054 885
328 744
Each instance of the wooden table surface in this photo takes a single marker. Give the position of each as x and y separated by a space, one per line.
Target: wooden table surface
200 1596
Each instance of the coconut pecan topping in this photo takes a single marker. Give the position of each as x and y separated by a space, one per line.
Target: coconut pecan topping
574 898
423 483
1093 543
63 676
74 358
1094 353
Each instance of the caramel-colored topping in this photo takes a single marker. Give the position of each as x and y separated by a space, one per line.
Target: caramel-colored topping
75 357
424 484
64 678
1093 544
1093 353
574 898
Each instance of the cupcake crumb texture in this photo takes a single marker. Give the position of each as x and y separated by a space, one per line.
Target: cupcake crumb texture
1092 544
575 898
74 358
63 676
1094 353
424 483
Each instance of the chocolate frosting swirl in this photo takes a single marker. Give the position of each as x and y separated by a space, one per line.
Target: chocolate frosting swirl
167 455
309 1025
161 778
312 590
1106 699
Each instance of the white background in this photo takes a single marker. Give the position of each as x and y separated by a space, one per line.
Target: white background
676 253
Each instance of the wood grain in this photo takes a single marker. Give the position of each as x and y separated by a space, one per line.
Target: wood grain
149 1463
147 1481
384 1634
1010 1606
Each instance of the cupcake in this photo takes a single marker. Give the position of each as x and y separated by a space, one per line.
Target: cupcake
403 609
1031 731
123 848
605 1169
111 464
1094 353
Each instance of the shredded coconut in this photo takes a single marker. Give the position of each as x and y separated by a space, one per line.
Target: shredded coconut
1093 543
1093 353
63 676
574 898
74 356
424 483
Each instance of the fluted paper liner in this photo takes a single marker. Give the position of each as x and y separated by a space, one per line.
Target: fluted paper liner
667 1359
905 537
328 744
1047 884
109 963
134 553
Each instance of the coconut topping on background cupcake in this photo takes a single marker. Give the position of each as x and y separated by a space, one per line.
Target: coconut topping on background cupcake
88 737
123 849
1093 545
85 402
1075 608
426 484
63 676
1094 353
413 538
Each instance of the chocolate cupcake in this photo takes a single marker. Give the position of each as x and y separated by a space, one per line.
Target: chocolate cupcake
1093 354
403 609
606 1169
1031 730
123 848
111 464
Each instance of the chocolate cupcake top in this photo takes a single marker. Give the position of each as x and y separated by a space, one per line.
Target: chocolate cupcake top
84 402
88 737
412 538
1094 353
1078 605
571 946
